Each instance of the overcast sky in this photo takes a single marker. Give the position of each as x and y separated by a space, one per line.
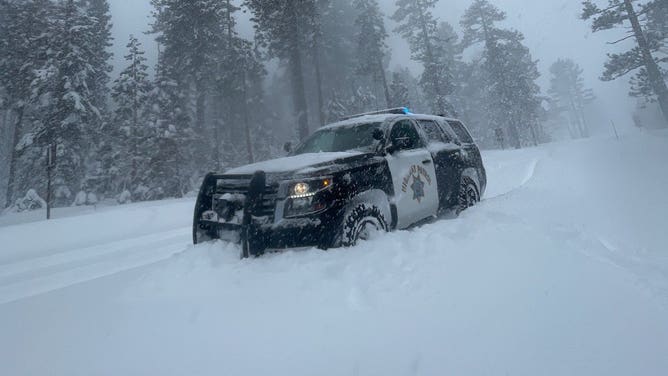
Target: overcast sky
552 29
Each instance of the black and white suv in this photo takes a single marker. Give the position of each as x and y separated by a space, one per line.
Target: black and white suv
373 172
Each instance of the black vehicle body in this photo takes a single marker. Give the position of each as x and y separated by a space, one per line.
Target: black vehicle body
256 207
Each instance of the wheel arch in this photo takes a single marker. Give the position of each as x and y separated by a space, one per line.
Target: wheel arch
375 197
472 174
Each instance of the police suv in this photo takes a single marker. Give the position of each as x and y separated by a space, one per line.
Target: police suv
370 173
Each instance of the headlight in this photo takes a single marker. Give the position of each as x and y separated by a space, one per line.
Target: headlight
309 188
301 189
304 197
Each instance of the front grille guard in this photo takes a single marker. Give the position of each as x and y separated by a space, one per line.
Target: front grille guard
259 201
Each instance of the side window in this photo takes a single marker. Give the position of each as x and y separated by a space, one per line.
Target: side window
449 133
433 131
461 132
406 136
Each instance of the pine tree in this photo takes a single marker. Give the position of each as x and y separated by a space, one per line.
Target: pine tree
473 103
400 93
371 47
170 146
338 45
362 100
260 137
190 33
286 28
650 37
446 72
98 84
239 100
569 95
419 27
657 32
127 134
66 101
511 96
101 41
244 92
520 98
315 45
336 108
24 46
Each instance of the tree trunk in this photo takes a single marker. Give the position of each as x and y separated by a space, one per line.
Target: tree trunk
297 73
135 124
200 108
514 134
318 81
571 128
299 95
249 144
655 77
199 128
430 57
50 166
534 133
583 122
383 80
13 158
575 117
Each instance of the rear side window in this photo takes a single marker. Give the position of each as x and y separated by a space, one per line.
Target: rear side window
433 131
463 134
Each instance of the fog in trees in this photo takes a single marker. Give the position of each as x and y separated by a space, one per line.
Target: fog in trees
205 85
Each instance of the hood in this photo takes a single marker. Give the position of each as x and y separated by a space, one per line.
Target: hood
302 164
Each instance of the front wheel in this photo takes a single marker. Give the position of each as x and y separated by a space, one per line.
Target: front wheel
362 223
468 195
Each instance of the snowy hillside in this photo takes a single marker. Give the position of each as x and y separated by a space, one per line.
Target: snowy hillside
561 270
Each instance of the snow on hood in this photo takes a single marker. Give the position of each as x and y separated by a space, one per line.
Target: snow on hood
293 163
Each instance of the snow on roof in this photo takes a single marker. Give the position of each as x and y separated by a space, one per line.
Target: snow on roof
365 119
379 118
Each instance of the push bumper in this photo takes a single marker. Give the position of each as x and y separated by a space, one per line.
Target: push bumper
253 230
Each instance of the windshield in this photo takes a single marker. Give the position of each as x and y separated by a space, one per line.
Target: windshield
354 137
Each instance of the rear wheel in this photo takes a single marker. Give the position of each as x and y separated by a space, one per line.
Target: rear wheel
468 195
362 223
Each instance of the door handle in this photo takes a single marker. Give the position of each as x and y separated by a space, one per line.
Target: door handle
426 161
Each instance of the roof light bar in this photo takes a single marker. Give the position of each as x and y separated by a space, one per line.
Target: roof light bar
396 111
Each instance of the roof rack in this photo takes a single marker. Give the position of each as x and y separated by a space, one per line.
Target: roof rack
396 111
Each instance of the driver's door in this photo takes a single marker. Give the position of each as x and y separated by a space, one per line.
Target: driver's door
413 175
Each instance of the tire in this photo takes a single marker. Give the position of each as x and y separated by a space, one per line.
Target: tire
468 195
359 224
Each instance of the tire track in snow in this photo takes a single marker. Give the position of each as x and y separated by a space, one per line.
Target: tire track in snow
524 179
31 277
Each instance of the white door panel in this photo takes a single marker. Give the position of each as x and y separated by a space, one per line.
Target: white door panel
415 188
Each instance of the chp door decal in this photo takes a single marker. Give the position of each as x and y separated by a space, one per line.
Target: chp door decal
415 180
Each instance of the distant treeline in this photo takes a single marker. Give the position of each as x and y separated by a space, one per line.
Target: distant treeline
211 103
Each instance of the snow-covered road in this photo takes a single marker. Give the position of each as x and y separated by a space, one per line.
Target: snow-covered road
563 269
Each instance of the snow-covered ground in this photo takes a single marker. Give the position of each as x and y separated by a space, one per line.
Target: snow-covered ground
562 270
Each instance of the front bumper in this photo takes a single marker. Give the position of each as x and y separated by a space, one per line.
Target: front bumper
313 231
257 220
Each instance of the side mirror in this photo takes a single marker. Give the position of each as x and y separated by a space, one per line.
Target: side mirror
287 147
399 143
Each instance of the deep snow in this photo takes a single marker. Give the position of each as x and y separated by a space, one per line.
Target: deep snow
562 270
